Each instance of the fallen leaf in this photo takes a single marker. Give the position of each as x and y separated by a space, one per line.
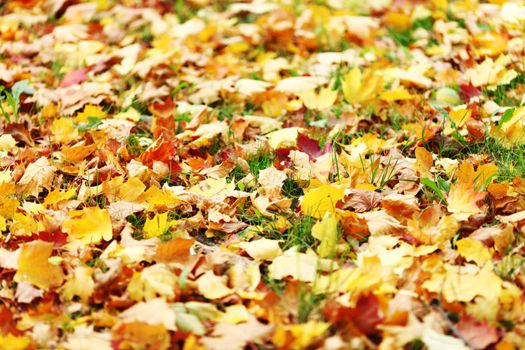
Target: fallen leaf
37 176
320 200
34 267
90 225
326 232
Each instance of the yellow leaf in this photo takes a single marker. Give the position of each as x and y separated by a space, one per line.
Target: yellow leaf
63 130
484 173
512 132
131 114
34 267
154 281
12 342
462 200
358 87
7 142
235 314
491 73
490 43
448 96
131 189
302 267
38 175
90 111
321 200
326 231
284 137
461 284
81 284
399 94
156 226
90 225
262 249
156 198
212 286
352 84
303 335
322 100
57 196
24 225
473 250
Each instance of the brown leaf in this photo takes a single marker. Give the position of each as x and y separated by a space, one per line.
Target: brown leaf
478 333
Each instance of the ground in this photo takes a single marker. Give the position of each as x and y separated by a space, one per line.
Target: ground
334 174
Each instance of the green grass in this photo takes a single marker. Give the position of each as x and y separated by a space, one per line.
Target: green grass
300 234
379 174
292 190
510 161
501 94
308 303
404 37
259 162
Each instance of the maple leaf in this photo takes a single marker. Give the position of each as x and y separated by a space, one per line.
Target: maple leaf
154 281
37 176
74 76
90 225
175 250
13 342
326 231
491 73
473 250
311 146
479 334
359 87
212 286
157 225
302 267
262 249
462 200
319 101
153 312
320 200
235 337
81 284
458 284
34 267
303 335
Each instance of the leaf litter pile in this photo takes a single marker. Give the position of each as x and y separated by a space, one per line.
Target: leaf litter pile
262 175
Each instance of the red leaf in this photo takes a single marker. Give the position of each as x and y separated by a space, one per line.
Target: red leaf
282 158
309 146
367 314
163 121
468 91
162 151
76 76
58 237
479 334
7 323
164 109
364 318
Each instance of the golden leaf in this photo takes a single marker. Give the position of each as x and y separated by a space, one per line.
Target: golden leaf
326 231
322 199
319 101
34 267
359 87
89 225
